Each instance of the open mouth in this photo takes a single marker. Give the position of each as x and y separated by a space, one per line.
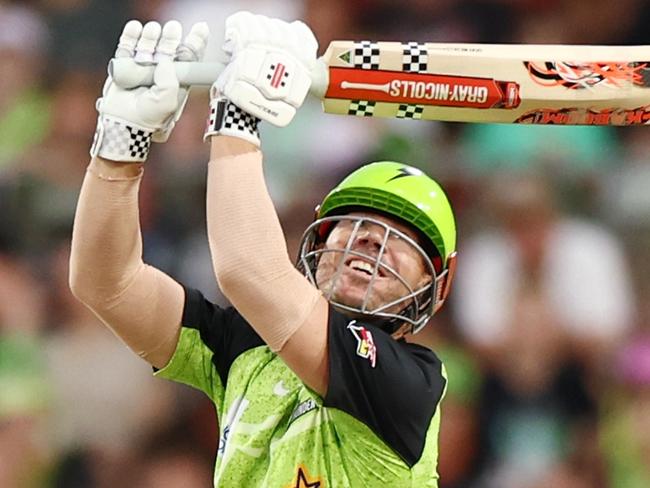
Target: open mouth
363 267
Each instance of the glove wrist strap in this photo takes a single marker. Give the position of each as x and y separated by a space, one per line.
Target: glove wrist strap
118 140
228 119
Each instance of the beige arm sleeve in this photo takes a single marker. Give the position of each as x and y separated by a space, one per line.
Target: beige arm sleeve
142 305
249 251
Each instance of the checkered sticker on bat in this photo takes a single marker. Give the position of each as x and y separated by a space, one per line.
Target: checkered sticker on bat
366 55
415 58
405 111
362 108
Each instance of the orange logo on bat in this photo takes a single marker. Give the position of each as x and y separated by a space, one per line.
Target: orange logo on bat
577 76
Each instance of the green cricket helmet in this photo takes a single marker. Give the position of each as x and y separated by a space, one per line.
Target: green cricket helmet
403 193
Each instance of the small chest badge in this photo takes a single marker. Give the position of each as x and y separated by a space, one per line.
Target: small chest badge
365 343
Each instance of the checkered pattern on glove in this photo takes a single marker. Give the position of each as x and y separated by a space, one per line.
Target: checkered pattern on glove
117 140
228 119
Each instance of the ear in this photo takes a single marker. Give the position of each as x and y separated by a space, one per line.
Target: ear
451 272
444 286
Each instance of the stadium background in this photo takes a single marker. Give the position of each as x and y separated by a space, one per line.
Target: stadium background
547 338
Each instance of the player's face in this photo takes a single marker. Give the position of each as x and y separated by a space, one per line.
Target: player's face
349 285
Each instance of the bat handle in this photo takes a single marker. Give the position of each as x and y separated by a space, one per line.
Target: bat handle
320 78
128 74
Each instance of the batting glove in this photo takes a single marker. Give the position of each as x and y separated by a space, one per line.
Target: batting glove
268 75
129 120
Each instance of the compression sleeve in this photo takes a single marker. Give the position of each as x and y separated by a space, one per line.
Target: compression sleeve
249 251
142 305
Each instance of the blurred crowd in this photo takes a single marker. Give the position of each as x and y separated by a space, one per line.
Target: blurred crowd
547 336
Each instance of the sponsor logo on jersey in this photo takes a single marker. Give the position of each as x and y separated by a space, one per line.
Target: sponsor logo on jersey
302 409
365 343
223 440
232 418
280 390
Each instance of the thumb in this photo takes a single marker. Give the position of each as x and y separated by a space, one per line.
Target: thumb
166 86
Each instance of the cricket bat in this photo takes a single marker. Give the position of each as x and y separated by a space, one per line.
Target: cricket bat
489 83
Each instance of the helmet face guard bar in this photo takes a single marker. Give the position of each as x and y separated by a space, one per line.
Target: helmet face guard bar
417 305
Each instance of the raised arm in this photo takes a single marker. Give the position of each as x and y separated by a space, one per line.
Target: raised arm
141 304
247 243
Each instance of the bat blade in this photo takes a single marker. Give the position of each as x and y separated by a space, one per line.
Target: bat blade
534 84
490 83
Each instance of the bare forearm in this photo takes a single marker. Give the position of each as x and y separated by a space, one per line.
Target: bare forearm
243 229
106 236
140 304
248 247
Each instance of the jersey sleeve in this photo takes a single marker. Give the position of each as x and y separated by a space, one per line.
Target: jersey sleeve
211 338
392 387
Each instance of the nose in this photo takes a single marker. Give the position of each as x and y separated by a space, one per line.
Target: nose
369 236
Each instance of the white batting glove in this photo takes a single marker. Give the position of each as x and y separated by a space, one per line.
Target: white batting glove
129 120
268 75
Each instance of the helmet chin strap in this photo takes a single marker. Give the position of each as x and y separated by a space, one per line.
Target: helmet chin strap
401 331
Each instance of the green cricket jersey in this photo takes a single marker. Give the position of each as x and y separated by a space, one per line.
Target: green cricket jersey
377 426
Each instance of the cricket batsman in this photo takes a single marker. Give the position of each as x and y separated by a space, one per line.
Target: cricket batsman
312 378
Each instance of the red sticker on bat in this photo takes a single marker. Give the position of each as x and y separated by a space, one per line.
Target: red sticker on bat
422 89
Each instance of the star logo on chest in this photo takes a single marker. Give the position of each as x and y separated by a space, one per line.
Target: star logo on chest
303 480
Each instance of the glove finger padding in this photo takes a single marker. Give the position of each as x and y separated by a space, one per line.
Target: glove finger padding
243 29
166 48
146 46
170 39
191 49
129 39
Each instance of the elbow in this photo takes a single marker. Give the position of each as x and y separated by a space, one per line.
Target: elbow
229 279
239 278
92 286
229 267
97 279
79 286
247 281
75 279
80 273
